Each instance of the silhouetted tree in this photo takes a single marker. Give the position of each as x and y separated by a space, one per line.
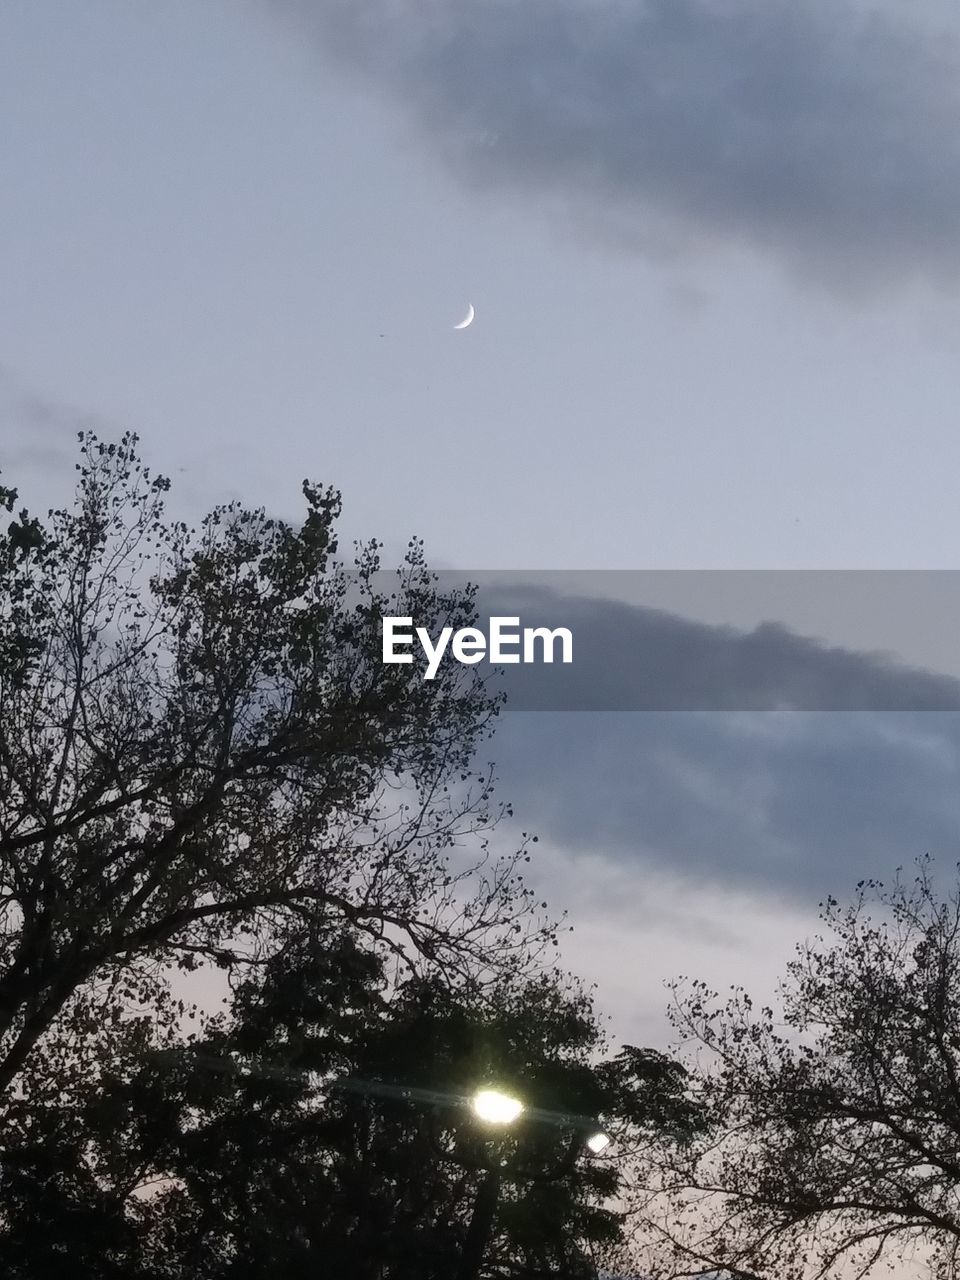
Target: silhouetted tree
834 1123
198 741
321 1127
204 763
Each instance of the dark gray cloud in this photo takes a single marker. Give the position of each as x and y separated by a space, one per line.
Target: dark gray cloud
630 657
765 760
36 432
791 805
820 131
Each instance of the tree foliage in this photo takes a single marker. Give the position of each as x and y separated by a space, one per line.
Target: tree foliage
834 1124
198 741
205 765
321 1126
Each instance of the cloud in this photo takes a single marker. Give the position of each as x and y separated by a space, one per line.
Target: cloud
36 432
788 806
637 928
763 762
825 133
630 657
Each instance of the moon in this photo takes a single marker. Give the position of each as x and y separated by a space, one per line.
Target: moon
467 319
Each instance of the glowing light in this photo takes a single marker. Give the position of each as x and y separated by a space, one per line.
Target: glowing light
597 1142
495 1107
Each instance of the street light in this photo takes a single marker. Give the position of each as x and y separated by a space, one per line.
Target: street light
494 1107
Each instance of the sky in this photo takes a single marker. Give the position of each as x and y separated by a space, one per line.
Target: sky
713 247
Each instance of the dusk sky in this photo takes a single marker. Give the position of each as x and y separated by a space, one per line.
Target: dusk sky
714 251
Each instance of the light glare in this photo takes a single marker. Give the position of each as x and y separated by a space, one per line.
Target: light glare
597 1142
495 1107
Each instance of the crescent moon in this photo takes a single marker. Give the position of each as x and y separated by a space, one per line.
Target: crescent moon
467 319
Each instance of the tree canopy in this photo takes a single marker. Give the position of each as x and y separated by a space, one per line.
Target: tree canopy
320 1125
197 741
206 767
832 1124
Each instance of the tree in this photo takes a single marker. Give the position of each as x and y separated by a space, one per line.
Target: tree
321 1126
198 743
834 1128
